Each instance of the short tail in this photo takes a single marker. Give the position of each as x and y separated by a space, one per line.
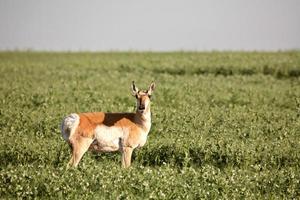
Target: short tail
69 125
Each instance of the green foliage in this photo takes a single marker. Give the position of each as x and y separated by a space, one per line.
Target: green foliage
225 125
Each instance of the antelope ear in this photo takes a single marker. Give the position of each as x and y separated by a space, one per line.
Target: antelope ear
134 89
151 88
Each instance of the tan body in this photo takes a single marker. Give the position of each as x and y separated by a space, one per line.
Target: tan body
108 132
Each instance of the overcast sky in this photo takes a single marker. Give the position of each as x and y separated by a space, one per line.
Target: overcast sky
156 25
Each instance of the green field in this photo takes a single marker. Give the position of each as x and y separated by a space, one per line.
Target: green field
226 125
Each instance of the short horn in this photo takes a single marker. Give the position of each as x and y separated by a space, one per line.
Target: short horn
134 88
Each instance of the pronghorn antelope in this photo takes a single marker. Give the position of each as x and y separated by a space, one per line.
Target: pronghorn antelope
108 132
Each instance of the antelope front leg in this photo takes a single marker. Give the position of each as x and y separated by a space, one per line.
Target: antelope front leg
126 156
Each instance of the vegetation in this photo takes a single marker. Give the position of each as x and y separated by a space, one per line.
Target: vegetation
225 125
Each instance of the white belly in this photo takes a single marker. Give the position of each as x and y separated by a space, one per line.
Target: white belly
109 139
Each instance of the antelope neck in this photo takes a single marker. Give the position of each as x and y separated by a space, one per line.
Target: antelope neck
144 117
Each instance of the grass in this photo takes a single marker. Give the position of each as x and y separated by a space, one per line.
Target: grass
225 125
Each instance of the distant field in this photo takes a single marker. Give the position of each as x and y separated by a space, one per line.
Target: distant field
225 125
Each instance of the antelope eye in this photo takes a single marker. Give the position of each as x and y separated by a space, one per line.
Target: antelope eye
136 96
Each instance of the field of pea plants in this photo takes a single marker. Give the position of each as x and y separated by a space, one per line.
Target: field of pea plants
225 125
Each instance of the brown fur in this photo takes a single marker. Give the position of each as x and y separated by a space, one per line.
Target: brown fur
89 122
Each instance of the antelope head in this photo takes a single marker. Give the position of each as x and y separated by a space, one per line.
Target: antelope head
142 98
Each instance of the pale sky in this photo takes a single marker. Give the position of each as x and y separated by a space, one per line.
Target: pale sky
155 25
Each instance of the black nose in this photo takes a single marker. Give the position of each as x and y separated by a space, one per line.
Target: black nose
142 107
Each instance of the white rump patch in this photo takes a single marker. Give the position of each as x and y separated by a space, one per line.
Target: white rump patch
69 125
